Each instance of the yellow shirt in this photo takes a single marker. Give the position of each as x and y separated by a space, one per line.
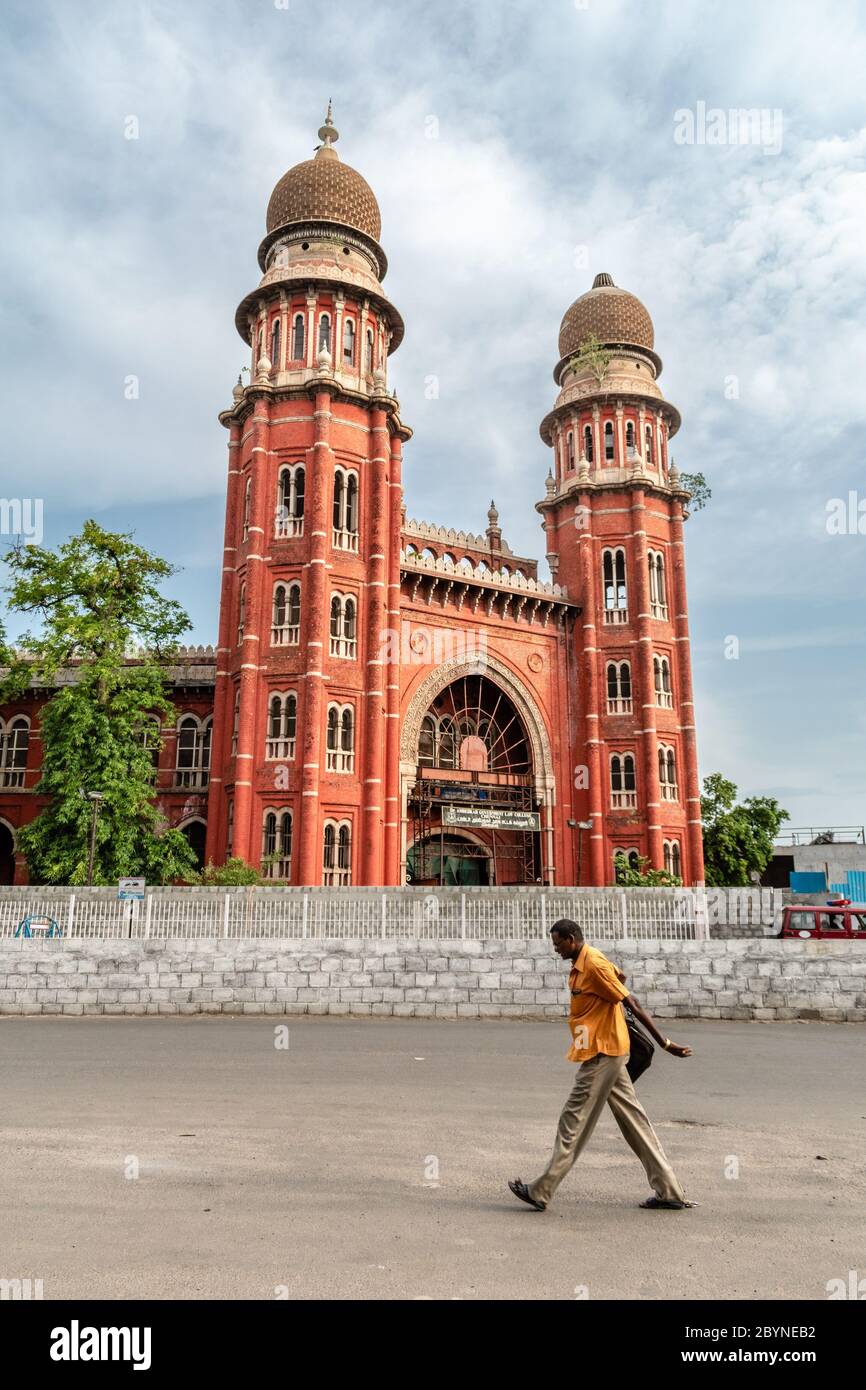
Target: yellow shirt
595 1018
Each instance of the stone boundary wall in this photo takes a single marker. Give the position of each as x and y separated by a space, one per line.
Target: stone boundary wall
449 979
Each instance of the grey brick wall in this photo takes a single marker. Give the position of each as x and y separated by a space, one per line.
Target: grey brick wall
743 979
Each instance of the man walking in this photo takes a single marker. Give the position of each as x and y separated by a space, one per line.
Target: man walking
600 1043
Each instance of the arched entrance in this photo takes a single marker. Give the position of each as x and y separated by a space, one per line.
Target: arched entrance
451 860
474 803
7 855
196 833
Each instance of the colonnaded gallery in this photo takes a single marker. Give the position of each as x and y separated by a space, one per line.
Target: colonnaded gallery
395 701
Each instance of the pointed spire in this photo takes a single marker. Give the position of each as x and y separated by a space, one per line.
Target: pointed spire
328 134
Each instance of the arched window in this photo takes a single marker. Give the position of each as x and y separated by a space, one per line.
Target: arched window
649 444
242 612
192 768
286 620
261 352
340 740
668 773
289 519
282 726
619 687
298 339
277 845
247 496
569 449
673 858
275 345
608 442
337 854
623 786
369 362
615 593
236 719
345 519
587 442
622 859
14 743
344 637
629 439
657 585
349 343
662 681
325 333
151 740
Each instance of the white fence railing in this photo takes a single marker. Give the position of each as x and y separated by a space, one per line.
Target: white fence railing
605 914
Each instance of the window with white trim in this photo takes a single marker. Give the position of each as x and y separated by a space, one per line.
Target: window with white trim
348 343
619 697
277 844
587 442
369 360
325 333
289 518
569 449
623 783
337 854
340 739
286 618
242 611
657 584
14 744
282 725
662 679
673 858
248 489
614 584
668 773
608 442
344 625
298 339
275 345
629 440
649 444
345 519
631 856
192 767
236 715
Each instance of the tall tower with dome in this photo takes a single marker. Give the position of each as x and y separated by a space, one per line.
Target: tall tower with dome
312 537
613 517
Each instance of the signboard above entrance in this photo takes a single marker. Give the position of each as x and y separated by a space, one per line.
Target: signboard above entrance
489 819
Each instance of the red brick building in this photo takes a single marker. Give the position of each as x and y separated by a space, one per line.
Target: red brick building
393 701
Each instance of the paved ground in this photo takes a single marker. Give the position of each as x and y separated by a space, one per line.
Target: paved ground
313 1168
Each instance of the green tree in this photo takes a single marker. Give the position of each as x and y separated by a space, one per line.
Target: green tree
738 838
591 354
642 877
697 485
105 632
234 873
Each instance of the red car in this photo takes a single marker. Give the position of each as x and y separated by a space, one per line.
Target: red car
836 922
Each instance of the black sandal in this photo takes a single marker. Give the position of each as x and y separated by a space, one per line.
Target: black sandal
659 1204
520 1190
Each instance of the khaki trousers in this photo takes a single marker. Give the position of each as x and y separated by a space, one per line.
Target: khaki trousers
599 1080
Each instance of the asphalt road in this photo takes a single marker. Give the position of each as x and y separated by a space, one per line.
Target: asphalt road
369 1160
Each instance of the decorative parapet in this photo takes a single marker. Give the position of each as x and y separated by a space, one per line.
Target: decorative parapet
481 574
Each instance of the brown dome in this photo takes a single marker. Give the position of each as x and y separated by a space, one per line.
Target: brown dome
613 315
324 189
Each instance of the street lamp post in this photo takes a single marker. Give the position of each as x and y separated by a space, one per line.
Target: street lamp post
94 798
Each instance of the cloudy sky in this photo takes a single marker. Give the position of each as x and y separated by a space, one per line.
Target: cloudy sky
516 149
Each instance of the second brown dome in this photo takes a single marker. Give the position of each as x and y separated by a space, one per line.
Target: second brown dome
611 314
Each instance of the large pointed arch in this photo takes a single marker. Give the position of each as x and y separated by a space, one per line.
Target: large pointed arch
495 670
